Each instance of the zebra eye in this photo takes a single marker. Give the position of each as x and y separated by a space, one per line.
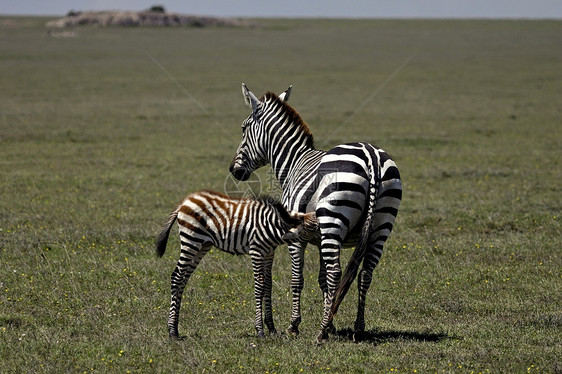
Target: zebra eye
248 122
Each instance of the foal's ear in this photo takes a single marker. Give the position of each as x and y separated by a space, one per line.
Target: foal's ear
297 215
249 98
285 95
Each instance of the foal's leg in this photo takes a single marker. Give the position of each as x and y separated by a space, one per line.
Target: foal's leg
268 264
296 251
191 255
258 264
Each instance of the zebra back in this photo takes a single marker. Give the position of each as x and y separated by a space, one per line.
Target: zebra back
230 223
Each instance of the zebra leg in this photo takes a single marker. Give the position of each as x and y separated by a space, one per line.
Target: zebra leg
268 264
179 279
331 256
385 215
363 283
259 286
190 257
324 287
296 251
322 278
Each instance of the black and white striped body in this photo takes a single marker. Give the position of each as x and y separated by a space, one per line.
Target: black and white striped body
354 189
236 226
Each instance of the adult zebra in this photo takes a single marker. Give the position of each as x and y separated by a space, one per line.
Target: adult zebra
354 189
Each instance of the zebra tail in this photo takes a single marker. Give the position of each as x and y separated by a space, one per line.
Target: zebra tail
352 267
162 240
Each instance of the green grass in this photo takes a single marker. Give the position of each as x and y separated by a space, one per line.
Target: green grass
97 144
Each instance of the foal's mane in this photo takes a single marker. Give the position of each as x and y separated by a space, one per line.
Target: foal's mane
279 207
294 116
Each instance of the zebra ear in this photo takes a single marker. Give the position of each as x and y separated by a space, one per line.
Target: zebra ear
249 98
285 95
297 228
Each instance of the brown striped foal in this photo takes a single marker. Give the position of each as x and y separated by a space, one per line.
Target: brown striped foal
236 226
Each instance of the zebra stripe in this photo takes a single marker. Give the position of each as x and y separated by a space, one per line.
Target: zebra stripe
236 226
354 190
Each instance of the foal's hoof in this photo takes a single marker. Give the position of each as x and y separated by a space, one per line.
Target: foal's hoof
322 337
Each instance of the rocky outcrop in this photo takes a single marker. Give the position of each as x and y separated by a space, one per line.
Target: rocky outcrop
144 18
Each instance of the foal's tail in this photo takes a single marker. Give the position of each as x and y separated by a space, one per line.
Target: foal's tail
162 240
359 253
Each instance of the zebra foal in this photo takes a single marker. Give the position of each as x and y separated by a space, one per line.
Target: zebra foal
237 226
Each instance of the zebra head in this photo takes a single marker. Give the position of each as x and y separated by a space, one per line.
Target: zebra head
306 230
252 151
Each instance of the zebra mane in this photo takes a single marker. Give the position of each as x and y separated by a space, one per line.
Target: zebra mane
294 116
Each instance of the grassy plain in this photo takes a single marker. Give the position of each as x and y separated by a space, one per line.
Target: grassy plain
102 132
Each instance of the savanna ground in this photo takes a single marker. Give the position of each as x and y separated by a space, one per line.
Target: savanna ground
102 131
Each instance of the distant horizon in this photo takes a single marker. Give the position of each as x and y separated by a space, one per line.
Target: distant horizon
327 9
429 18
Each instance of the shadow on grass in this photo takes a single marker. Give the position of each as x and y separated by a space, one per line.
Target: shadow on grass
377 337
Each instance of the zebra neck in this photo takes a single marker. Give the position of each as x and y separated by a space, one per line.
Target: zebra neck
289 166
288 141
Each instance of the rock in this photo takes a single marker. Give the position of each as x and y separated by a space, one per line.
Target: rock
143 18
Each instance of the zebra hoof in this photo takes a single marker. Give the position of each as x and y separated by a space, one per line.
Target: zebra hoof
292 331
358 336
273 331
261 335
358 331
175 336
